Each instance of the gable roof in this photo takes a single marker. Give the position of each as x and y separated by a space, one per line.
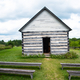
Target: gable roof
41 12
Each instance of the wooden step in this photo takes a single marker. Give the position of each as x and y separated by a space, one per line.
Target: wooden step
47 54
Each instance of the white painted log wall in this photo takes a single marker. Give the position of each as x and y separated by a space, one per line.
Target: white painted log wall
58 44
45 32
32 45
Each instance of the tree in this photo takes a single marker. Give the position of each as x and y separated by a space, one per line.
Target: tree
10 43
74 42
2 42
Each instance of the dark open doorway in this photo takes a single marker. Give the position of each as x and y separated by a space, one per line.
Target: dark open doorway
46 45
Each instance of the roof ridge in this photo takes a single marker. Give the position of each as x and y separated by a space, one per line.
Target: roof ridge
45 8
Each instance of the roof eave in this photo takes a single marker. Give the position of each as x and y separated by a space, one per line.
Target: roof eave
39 13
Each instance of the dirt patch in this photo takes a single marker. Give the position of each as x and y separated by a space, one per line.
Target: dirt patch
47 58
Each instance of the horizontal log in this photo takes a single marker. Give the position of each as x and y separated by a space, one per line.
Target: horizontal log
59 41
37 38
32 43
63 42
45 36
59 37
34 47
56 38
59 52
59 45
32 52
54 50
52 39
57 48
46 32
32 38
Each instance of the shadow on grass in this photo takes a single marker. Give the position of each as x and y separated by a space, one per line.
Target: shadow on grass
71 68
75 78
20 67
72 77
20 57
66 77
15 75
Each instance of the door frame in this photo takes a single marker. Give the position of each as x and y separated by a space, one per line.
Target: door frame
43 46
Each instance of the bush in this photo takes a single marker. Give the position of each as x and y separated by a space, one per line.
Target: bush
2 47
71 55
57 56
68 55
8 47
34 56
41 56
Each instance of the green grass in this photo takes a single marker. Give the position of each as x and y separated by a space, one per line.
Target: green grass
50 68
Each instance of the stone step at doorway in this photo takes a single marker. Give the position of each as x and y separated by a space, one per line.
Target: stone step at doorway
47 54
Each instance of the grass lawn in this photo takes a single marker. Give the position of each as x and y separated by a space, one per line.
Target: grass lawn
50 68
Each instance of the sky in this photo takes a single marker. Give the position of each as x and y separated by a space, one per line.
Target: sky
15 13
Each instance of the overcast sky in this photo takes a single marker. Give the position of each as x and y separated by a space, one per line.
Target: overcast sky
15 13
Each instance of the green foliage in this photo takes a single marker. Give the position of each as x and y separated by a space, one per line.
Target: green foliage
68 55
8 47
17 42
2 42
9 44
34 56
2 47
71 55
74 43
12 43
57 56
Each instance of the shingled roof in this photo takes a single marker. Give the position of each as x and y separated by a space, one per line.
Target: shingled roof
41 12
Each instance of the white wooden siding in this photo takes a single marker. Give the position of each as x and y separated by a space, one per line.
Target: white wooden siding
45 22
33 44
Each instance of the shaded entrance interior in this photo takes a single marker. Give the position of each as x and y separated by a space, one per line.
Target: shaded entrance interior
46 45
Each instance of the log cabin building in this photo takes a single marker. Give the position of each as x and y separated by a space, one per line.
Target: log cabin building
45 33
